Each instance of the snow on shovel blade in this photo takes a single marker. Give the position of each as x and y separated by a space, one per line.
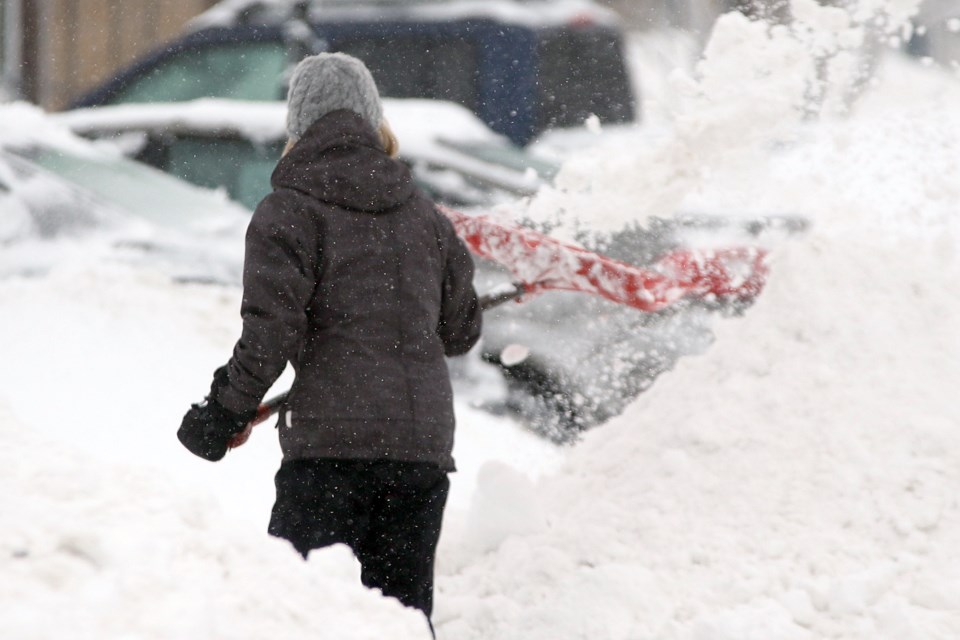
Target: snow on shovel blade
543 263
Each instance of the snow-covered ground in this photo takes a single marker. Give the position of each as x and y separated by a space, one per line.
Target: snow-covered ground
798 481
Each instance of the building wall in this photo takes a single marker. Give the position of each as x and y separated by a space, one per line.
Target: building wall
9 48
70 46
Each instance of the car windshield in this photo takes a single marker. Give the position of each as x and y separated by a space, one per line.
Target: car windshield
243 71
132 187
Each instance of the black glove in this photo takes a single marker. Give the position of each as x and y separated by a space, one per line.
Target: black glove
208 427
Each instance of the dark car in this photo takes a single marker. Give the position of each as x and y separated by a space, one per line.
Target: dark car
522 67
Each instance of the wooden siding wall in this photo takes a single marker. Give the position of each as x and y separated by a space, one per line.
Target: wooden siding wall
81 43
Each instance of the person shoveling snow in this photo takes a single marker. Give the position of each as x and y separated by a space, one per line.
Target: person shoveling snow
354 277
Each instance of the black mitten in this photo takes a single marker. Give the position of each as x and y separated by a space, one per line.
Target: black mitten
208 427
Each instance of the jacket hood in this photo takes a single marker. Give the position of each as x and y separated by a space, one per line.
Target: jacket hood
339 161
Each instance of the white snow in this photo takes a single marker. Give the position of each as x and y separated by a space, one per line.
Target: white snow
412 120
798 481
259 121
120 550
23 124
524 12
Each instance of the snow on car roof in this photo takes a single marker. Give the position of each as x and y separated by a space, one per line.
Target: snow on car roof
258 121
424 128
412 120
530 13
23 125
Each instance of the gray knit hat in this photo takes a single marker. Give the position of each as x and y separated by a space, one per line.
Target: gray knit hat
327 82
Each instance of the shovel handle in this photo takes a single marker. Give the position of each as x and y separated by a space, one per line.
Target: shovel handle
268 408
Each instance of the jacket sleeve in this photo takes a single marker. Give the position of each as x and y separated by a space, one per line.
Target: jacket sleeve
460 314
279 276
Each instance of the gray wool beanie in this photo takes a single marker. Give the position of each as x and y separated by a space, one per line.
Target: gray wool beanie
327 82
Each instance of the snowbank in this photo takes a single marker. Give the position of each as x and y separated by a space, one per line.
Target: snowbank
799 480
93 550
113 525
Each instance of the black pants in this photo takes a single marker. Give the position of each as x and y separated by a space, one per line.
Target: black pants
388 512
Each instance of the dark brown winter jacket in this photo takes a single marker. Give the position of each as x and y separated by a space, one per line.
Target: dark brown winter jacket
353 276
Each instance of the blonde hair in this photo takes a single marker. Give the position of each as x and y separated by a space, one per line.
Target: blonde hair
387 139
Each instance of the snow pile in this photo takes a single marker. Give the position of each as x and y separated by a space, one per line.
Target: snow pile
113 525
798 481
103 551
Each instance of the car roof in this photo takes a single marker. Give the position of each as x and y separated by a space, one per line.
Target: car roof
530 13
411 119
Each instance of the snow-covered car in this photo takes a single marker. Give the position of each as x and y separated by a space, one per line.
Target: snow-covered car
521 66
63 197
234 145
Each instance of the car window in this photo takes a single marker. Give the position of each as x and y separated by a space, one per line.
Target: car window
582 73
131 186
418 67
242 71
240 167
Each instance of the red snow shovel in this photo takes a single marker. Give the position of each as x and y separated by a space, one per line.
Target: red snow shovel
541 263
